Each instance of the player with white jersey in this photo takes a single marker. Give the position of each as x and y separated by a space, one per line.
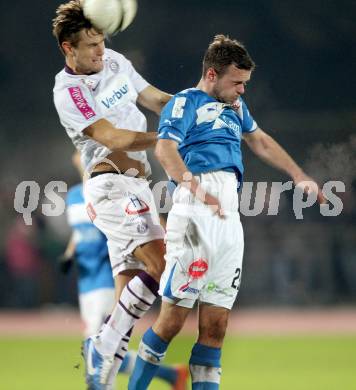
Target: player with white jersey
95 96
199 146
87 246
96 289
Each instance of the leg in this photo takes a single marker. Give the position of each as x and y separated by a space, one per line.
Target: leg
205 366
136 291
212 325
154 344
152 255
129 239
135 298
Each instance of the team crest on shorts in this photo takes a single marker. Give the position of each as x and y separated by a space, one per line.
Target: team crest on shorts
142 227
136 206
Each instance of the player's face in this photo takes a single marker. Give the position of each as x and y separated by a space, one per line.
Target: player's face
88 54
231 85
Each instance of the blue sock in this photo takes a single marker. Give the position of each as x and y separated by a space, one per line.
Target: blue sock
128 363
205 367
151 352
167 373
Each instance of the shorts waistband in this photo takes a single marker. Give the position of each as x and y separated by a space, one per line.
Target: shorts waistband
198 210
94 174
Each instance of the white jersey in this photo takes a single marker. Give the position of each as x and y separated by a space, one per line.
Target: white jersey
81 100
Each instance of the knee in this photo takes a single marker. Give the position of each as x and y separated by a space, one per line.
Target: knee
155 268
167 330
170 321
213 332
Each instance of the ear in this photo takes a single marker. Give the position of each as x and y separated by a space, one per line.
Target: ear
211 74
67 47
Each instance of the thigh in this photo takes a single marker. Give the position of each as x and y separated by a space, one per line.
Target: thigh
186 261
223 280
123 209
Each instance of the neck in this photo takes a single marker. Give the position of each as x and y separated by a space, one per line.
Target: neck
70 66
205 87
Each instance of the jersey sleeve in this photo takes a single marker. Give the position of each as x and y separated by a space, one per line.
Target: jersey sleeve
137 80
76 107
177 117
248 123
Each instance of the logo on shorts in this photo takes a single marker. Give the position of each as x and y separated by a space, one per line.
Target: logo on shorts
91 212
142 227
198 268
136 206
187 288
212 287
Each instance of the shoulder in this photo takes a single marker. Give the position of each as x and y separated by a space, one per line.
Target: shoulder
191 95
75 194
64 81
112 57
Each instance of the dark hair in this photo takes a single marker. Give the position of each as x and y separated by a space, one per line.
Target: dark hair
68 23
223 52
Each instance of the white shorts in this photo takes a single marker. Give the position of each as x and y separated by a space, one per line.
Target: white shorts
94 307
123 208
203 252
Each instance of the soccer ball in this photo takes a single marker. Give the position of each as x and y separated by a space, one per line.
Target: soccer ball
110 16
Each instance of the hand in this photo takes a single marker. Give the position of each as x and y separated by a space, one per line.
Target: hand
299 181
65 263
214 205
210 201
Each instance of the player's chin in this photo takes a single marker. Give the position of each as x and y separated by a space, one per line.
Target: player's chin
98 66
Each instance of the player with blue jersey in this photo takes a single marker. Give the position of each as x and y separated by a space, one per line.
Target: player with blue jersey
199 146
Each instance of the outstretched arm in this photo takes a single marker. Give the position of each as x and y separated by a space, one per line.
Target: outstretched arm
153 99
106 134
265 147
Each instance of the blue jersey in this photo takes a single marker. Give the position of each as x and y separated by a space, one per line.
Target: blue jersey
208 132
91 250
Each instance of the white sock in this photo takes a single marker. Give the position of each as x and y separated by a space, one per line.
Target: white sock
135 300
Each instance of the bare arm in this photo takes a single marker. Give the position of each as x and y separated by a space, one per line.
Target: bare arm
153 99
106 134
265 147
167 154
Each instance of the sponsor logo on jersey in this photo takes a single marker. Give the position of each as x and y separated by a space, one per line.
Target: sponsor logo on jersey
80 102
136 206
117 94
198 268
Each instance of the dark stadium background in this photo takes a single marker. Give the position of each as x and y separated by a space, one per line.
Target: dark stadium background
302 93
